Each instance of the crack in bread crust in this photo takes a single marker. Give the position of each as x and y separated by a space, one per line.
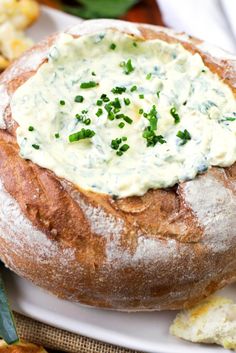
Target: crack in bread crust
165 250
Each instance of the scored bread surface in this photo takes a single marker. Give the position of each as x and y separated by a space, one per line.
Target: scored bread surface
167 249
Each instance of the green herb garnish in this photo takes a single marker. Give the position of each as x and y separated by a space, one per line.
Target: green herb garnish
112 46
140 111
127 101
93 73
121 125
158 94
116 103
175 115
141 96
81 135
124 147
62 102
79 99
127 119
148 77
89 84
99 112
135 44
99 102
104 98
184 136
128 67
36 147
111 116
133 88
120 116
31 128
57 135
116 143
152 138
230 119
118 90
87 121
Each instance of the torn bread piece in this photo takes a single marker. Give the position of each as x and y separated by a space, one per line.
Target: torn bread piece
211 321
15 16
12 42
20 13
21 347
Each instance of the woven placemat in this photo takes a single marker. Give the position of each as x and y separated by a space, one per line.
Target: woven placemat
51 337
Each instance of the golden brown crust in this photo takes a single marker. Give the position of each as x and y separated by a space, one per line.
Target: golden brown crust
158 251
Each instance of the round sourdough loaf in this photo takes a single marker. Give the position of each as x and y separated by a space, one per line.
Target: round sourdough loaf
167 249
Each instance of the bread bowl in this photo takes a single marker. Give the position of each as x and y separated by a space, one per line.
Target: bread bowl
152 249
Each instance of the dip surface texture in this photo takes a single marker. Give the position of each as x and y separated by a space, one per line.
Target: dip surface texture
118 115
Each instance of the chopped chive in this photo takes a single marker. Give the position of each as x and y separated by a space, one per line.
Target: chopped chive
93 73
79 99
148 77
158 94
140 111
152 138
99 102
99 112
230 119
120 116
128 67
127 101
133 88
35 146
135 44
112 46
124 147
108 107
184 136
111 116
153 122
87 121
57 135
124 138
62 102
116 103
121 125
31 128
128 119
141 96
203 70
89 84
104 98
82 134
119 153
175 115
115 144
118 90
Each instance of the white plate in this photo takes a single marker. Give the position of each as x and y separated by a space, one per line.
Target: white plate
142 331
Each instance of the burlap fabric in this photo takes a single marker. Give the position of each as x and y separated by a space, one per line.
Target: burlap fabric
51 337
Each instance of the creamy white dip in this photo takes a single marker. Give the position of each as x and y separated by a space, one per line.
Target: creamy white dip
176 117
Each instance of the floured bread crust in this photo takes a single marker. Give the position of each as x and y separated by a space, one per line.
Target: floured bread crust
165 250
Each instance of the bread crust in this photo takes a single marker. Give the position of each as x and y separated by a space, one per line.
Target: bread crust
167 249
